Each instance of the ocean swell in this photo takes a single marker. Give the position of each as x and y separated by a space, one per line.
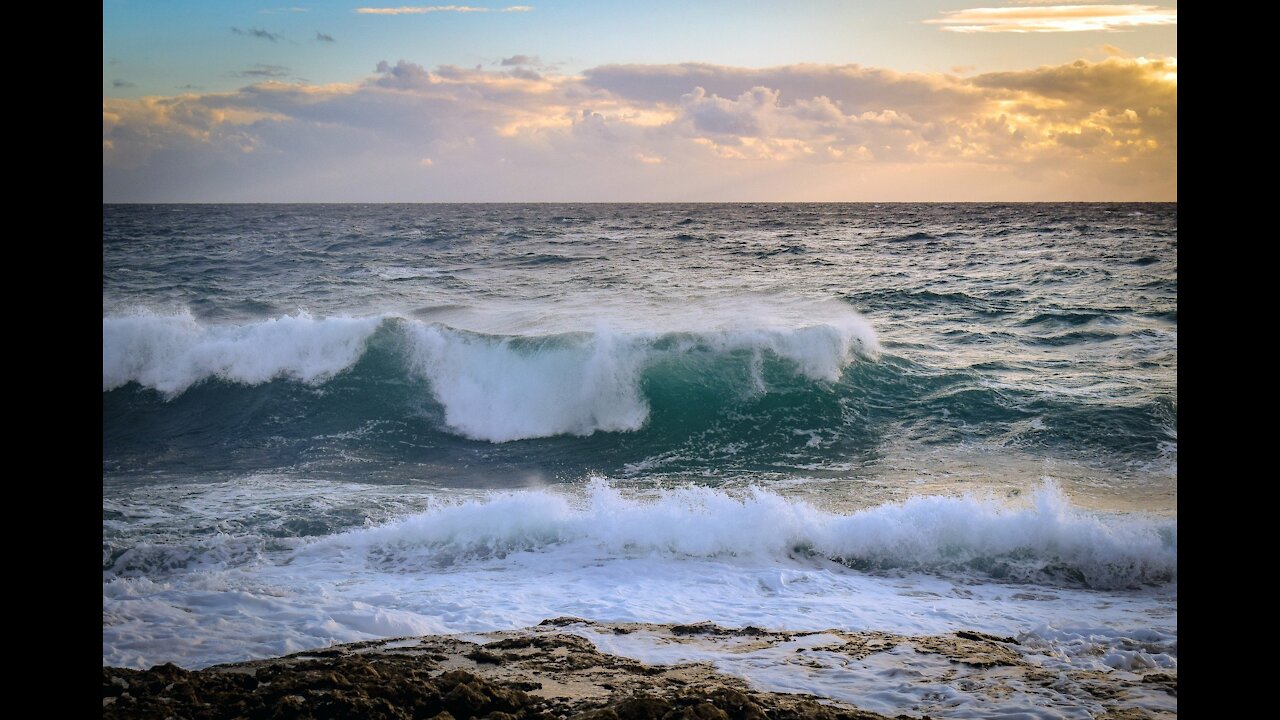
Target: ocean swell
497 388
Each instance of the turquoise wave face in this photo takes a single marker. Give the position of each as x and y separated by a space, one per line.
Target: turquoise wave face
815 399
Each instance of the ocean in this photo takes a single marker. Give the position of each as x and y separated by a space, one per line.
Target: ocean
330 423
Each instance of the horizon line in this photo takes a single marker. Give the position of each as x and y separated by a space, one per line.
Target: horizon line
645 202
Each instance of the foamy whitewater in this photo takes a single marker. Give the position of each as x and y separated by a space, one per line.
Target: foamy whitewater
325 424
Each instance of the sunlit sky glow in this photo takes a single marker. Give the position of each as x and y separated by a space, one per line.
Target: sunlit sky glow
583 100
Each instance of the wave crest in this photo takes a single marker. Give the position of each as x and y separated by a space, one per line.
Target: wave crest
170 353
492 387
1048 539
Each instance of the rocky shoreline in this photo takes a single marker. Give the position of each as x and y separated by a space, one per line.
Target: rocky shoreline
549 672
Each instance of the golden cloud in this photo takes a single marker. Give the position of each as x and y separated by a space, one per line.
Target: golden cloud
1055 18
1071 130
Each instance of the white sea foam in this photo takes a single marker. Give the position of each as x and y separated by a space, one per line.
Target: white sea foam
170 353
508 560
506 388
894 680
932 532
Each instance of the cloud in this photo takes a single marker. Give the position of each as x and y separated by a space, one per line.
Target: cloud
122 84
516 60
325 37
257 33
1055 18
857 88
1080 131
425 9
264 71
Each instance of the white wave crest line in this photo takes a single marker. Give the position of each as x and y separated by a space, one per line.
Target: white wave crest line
171 353
925 532
494 388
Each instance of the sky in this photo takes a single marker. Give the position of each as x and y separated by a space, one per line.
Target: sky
581 101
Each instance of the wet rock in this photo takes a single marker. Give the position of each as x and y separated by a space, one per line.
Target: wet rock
484 657
973 635
562 621
540 674
703 628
